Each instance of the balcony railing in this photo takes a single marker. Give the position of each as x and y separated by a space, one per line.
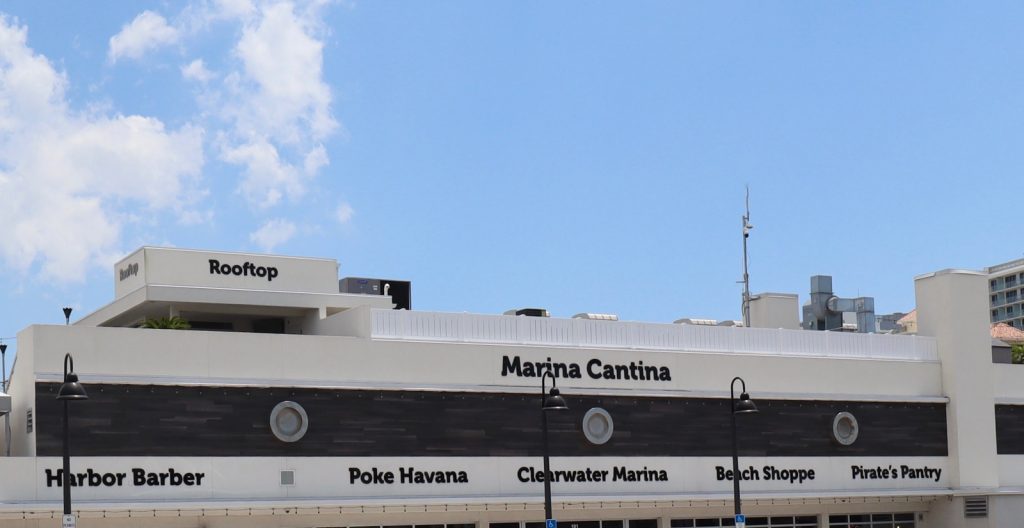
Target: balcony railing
583 333
1006 265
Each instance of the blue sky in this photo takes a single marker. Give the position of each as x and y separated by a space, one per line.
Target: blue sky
577 156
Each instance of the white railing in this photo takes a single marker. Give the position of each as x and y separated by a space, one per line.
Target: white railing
584 333
1006 266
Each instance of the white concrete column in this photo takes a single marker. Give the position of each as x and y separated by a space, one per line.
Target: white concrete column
952 306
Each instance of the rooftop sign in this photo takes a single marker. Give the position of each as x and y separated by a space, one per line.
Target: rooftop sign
207 269
202 478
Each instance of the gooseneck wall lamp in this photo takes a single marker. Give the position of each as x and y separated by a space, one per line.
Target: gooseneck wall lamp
744 406
550 401
70 390
3 376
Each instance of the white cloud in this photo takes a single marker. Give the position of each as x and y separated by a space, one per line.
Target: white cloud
267 103
345 213
272 100
284 61
315 160
123 156
196 71
267 179
272 234
67 179
277 102
191 217
147 32
234 8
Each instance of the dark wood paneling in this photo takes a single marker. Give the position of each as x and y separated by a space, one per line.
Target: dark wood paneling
132 420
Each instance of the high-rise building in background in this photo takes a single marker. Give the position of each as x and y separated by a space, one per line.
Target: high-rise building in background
1004 293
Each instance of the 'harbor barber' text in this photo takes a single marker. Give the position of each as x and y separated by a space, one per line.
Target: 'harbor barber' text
140 477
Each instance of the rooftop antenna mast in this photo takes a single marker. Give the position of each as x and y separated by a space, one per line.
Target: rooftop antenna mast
746 276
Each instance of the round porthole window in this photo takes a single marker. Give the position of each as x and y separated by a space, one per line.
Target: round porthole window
598 426
845 428
288 421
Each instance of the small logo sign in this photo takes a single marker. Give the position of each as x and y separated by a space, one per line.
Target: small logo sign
551 523
741 520
130 271
68 521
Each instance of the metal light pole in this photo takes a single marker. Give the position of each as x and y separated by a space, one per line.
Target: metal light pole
744 406
550 401
70 390
7 417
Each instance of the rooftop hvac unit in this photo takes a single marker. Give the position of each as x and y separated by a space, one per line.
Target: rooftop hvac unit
596 316
400 291
701 322
824 311
529 312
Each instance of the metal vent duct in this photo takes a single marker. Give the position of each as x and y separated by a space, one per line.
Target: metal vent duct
825 311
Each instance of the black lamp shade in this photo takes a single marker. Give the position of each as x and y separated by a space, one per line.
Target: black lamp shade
3 348
745 405
554 401
71 389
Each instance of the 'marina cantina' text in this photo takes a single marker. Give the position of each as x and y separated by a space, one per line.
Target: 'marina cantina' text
634 370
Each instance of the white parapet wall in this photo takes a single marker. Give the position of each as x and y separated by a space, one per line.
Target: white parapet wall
543 331
779 363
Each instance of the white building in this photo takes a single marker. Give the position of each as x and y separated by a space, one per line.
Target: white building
1005 296
351 414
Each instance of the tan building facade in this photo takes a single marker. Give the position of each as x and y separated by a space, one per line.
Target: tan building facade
351 413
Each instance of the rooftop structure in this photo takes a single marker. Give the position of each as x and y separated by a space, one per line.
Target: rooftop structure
825 311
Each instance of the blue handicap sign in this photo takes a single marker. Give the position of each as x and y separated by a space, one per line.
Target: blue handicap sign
741 520
551 523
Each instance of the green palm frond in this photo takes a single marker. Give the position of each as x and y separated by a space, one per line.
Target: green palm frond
168 323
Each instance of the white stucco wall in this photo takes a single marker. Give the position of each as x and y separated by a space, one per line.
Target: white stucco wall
952 306
168 356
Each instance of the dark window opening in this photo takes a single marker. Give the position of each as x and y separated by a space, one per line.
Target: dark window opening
213 326
269 326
